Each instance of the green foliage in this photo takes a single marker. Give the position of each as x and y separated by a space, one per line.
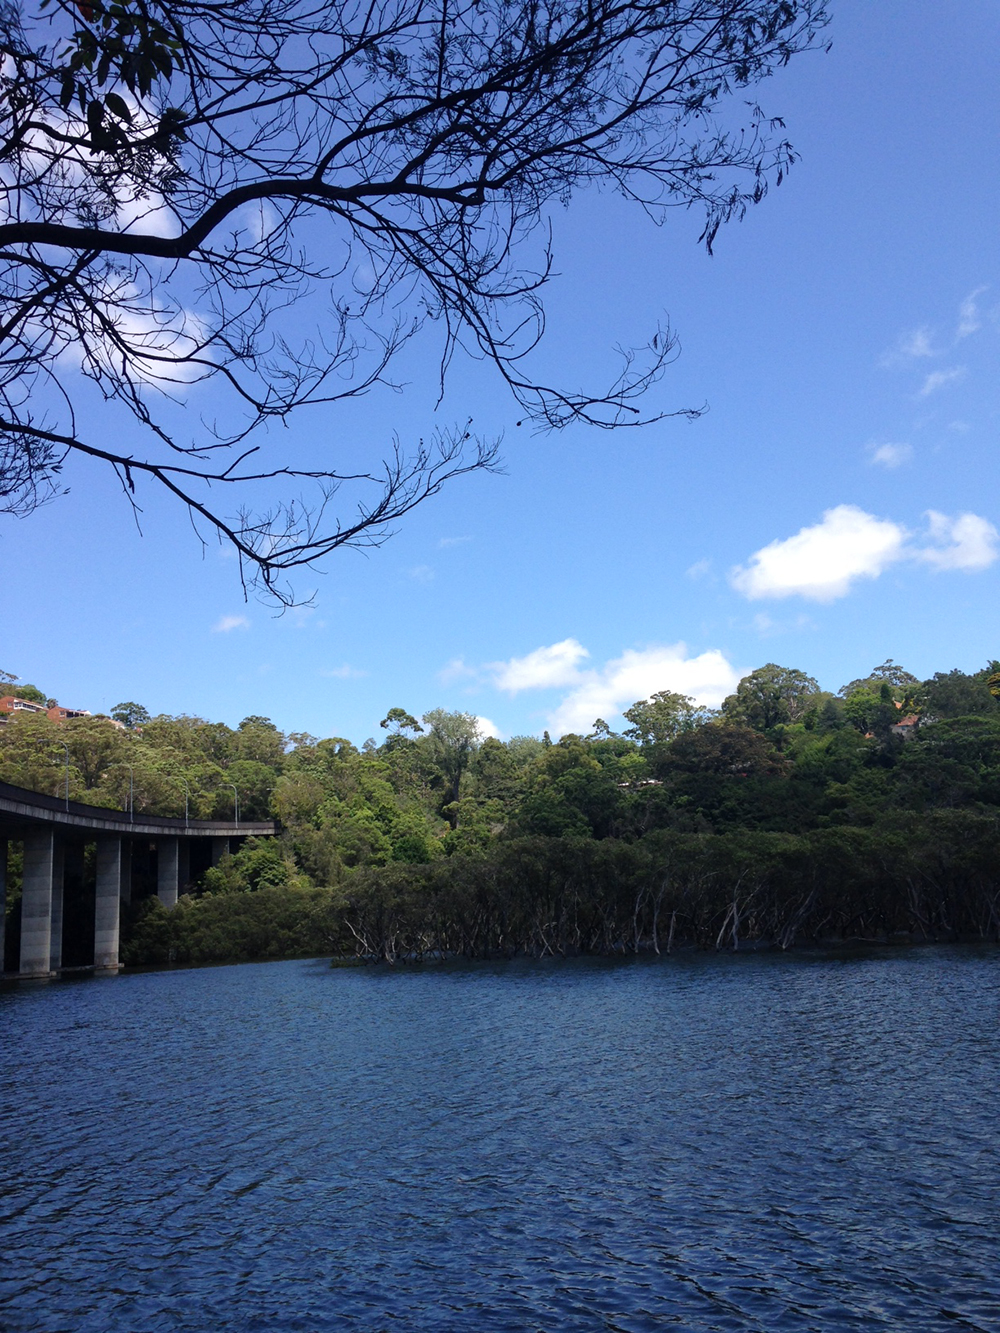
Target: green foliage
130 715
261 863
438 841
770 697
658 720
31 693
955 694
274 922
889 673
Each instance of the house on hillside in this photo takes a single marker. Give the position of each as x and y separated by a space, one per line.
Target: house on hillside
10 705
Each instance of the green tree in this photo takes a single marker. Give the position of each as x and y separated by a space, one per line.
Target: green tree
889 673
955 694
452 740
664 715
770 697
130 715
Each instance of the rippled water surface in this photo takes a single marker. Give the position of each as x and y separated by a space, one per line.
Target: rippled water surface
704 1143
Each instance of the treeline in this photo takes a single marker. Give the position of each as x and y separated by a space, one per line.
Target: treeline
790 813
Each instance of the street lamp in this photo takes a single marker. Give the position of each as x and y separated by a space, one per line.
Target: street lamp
66 748
236 802
187 799
131 793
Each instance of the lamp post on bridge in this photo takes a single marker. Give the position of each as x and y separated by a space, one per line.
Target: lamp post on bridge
66 748
236 802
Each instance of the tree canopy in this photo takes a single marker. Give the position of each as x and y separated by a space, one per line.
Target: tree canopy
180 178
437 831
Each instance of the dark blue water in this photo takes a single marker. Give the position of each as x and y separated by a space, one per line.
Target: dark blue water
703 1143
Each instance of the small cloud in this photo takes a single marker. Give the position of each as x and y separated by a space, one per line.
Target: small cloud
767 627
345 672
226 623
823 561
421 574
456 670
959 427
911 347
890 456
488 728
966 542
937 379
699 569
969 318
542 669
445 542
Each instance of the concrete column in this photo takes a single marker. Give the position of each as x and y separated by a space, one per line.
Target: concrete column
36 903
3 900
107 907
219 848
58 890
125 891
183 864
168 870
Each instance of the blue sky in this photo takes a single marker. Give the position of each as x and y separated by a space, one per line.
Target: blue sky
834 507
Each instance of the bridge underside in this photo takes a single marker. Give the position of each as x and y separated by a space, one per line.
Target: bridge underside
64 882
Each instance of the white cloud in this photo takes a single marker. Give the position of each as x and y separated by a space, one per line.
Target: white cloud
637 674
966 542
937 379
227 623
421 574
913 346
456 670
916 344
488 728
544 668
821 562
969 319
890 456
345 672
699 569
445 542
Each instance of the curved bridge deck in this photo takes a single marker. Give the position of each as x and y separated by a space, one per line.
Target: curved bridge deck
20 808
54 832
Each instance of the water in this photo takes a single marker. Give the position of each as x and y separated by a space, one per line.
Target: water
700 1143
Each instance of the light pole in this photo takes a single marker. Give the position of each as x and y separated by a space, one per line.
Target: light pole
187 799
66 748
131 793
236 802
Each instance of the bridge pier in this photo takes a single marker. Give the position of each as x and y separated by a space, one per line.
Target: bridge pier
107 903
36 903
58 894
3 901
125 883
54 832
168 870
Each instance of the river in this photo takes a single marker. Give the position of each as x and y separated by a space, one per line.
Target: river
705 1142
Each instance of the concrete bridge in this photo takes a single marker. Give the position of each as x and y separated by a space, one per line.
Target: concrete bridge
54 833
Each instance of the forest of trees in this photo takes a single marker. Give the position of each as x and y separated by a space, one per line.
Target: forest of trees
790 814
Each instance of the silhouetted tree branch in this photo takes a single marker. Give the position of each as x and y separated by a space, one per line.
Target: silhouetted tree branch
180 179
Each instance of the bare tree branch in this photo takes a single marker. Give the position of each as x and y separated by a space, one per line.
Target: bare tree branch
183 184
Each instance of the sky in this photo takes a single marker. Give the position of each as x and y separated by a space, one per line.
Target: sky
836 504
